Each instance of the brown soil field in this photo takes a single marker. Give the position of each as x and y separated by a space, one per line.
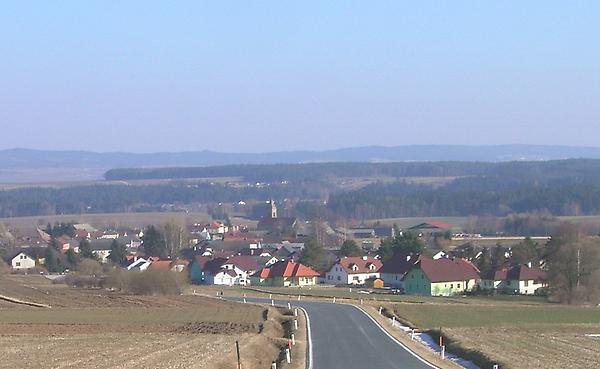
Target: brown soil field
103 329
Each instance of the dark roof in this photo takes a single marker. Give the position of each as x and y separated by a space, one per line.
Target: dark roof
446 270
400 263
432 224
101 244
267 224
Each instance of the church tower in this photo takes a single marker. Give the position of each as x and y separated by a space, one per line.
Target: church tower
273 209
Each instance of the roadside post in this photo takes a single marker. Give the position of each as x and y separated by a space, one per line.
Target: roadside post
295 311
334 299
393 321
272 302
443 352
296 324
237 347
293 340
380 309
274 365
289 306
412 334
288 357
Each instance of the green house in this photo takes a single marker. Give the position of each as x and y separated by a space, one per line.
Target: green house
441 277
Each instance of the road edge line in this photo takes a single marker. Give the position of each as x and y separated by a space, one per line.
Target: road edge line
396 340
309 352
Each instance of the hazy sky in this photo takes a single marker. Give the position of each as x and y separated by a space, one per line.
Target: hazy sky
276 75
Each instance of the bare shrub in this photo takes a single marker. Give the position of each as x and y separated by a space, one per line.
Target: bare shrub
155 282
117 279
89 267
83 281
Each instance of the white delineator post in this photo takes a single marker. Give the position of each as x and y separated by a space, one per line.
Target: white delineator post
289 306
393 321
288 357
412 334
443 352
298 297
274 365
293 340
272 303
380 308
334 299
295 311
296 324
244 300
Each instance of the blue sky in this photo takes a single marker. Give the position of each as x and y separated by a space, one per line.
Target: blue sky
276 75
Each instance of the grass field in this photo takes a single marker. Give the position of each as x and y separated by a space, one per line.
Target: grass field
103 329
516 334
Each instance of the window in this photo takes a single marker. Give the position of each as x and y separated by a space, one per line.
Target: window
526 283
18 263
339 278
451 285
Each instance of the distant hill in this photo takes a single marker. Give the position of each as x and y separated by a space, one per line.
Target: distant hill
20 159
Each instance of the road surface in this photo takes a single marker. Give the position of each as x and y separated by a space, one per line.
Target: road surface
344 337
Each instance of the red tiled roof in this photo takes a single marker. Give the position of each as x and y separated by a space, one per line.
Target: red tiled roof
521 273
446 270
161 264
287 269
245 263
362 264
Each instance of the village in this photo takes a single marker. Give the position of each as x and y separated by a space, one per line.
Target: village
280 253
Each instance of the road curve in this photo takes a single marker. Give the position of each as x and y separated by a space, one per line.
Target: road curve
345 337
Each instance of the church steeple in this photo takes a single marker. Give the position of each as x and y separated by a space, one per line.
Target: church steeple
273 209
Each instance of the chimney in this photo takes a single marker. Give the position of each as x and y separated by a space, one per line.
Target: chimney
364 257
529 264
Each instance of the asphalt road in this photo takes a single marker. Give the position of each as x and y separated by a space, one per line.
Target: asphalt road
344 337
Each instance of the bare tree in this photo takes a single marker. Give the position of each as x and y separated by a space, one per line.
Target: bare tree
573 262
176 237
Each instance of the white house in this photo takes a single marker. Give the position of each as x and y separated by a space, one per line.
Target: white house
353 270
22 262
228 277
521 279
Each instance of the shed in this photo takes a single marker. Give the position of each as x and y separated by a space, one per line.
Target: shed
374 283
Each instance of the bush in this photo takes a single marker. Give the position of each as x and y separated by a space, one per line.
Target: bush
89 267
155 282
82 281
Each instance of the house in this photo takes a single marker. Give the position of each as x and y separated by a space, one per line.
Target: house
441 277
221 270
353 270
393 270
285 274
521 279
179 265
101 248
22 261
136 263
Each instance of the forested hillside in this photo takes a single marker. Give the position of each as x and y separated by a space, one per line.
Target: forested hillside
568 187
